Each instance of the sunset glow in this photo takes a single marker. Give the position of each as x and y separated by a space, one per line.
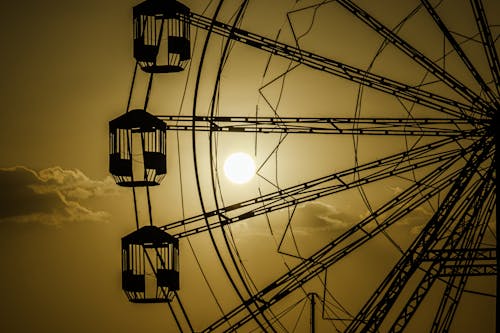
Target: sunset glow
239 168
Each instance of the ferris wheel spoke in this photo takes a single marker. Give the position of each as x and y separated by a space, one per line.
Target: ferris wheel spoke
373 171
458 49
467 232
405 203
448 304
398 207
457 273
321 125
434 170
456 284
311 267
376 308
488 43
351 73
413 53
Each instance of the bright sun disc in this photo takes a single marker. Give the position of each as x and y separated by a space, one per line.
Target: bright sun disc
239 168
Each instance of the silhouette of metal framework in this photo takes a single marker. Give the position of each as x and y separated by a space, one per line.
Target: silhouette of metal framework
455 169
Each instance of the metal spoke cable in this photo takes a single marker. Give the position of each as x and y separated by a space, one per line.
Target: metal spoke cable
331 259
418 57
383 84
456 46
165 293
275 199
198 263
380 169
355 139
452 294
197 87
452 174
229 239
274 108
467 216
375 309
236 261
195 160
409 126
488 44
326 257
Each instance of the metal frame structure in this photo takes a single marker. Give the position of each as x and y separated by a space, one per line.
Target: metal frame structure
450 246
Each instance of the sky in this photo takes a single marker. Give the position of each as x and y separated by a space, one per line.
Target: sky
66 72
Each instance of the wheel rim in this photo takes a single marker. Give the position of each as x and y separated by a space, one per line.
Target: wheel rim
370 198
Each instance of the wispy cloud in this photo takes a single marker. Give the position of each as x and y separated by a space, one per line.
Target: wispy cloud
52 196
319 216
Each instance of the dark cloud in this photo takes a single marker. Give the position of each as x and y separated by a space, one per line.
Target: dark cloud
50 196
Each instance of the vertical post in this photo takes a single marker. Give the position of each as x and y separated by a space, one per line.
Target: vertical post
494 130
313 315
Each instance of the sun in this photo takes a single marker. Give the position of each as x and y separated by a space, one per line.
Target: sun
239 168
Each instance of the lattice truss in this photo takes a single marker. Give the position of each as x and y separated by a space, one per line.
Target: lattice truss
374 127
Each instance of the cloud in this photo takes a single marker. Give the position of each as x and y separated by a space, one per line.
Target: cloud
51 196
318 216
313 225
309 218
74 184
396 190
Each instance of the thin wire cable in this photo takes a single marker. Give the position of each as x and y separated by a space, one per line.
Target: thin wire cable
197 176
368 202
129 143
180 168
233 255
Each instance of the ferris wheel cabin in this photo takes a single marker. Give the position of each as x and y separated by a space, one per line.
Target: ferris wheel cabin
161 36
137 146
150 265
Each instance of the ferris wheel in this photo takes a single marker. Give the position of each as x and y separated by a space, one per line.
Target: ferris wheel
371 131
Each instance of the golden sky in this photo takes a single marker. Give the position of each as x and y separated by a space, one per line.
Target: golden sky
66 72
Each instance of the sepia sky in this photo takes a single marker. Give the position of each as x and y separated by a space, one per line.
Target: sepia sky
66 72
